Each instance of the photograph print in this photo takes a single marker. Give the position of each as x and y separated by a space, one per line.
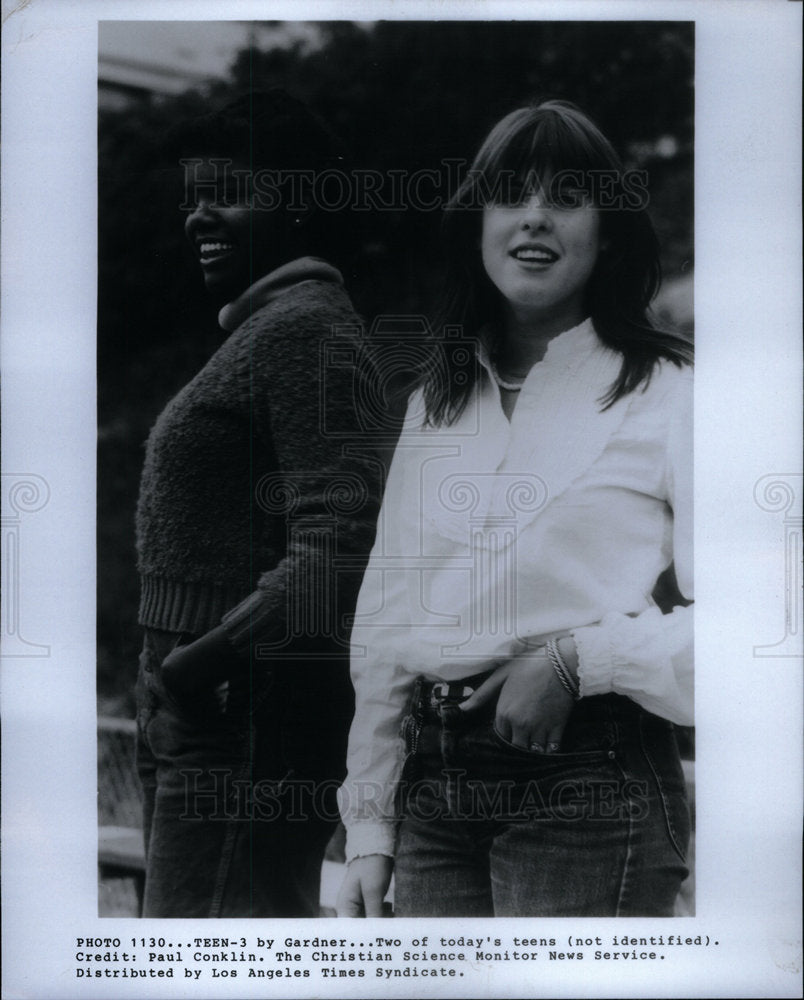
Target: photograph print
395 569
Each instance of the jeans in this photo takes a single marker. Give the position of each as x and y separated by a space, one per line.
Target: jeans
231 828
491 829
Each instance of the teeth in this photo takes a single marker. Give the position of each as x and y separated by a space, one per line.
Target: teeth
540 256
212 247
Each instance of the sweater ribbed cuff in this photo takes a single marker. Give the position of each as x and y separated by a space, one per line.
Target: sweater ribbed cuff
251 618
183 606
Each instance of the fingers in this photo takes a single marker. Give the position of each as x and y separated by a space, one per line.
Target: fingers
536 744
372 901
544 746
350 899
553 740
543 740
532 707
521 736
488 690
536 726
364 887
530 734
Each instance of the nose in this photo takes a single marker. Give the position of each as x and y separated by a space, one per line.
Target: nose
536 213
201 213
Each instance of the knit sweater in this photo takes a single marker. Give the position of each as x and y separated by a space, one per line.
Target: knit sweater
259 495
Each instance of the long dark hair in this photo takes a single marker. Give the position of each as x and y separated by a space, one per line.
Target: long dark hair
548 144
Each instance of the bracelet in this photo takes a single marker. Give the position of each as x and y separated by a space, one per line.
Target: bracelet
562 670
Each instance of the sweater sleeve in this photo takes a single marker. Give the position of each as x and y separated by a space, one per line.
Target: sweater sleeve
326 482
649 656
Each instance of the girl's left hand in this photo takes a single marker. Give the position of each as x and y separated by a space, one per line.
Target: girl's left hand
532 704
193 671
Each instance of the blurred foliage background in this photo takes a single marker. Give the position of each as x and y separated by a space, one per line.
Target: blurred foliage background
403 96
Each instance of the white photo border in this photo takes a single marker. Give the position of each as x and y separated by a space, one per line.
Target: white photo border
748 466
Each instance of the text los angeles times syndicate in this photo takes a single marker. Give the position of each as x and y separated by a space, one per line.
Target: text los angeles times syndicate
381 958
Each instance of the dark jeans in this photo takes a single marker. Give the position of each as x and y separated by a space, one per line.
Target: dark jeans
598 829
229 829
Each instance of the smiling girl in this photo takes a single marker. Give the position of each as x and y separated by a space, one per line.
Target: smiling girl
253 525
506 627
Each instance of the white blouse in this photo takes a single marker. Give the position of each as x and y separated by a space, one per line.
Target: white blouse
496 535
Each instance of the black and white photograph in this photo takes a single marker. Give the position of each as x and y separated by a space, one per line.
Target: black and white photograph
448 319
402 407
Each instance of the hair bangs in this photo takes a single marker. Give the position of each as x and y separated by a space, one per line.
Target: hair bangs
532 149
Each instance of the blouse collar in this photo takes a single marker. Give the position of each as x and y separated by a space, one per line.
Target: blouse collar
514 470
572 345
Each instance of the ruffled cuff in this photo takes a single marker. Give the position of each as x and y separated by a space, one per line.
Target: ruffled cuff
596 657
364 838
646 657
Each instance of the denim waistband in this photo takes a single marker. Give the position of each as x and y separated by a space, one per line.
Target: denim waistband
430 697
431 700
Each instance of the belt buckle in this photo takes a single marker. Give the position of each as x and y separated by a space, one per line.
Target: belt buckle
442 691
438 693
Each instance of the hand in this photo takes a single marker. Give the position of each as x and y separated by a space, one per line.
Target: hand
532 704
190 673
364 886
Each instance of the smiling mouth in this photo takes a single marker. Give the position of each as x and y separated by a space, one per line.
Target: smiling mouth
534 255
211 250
